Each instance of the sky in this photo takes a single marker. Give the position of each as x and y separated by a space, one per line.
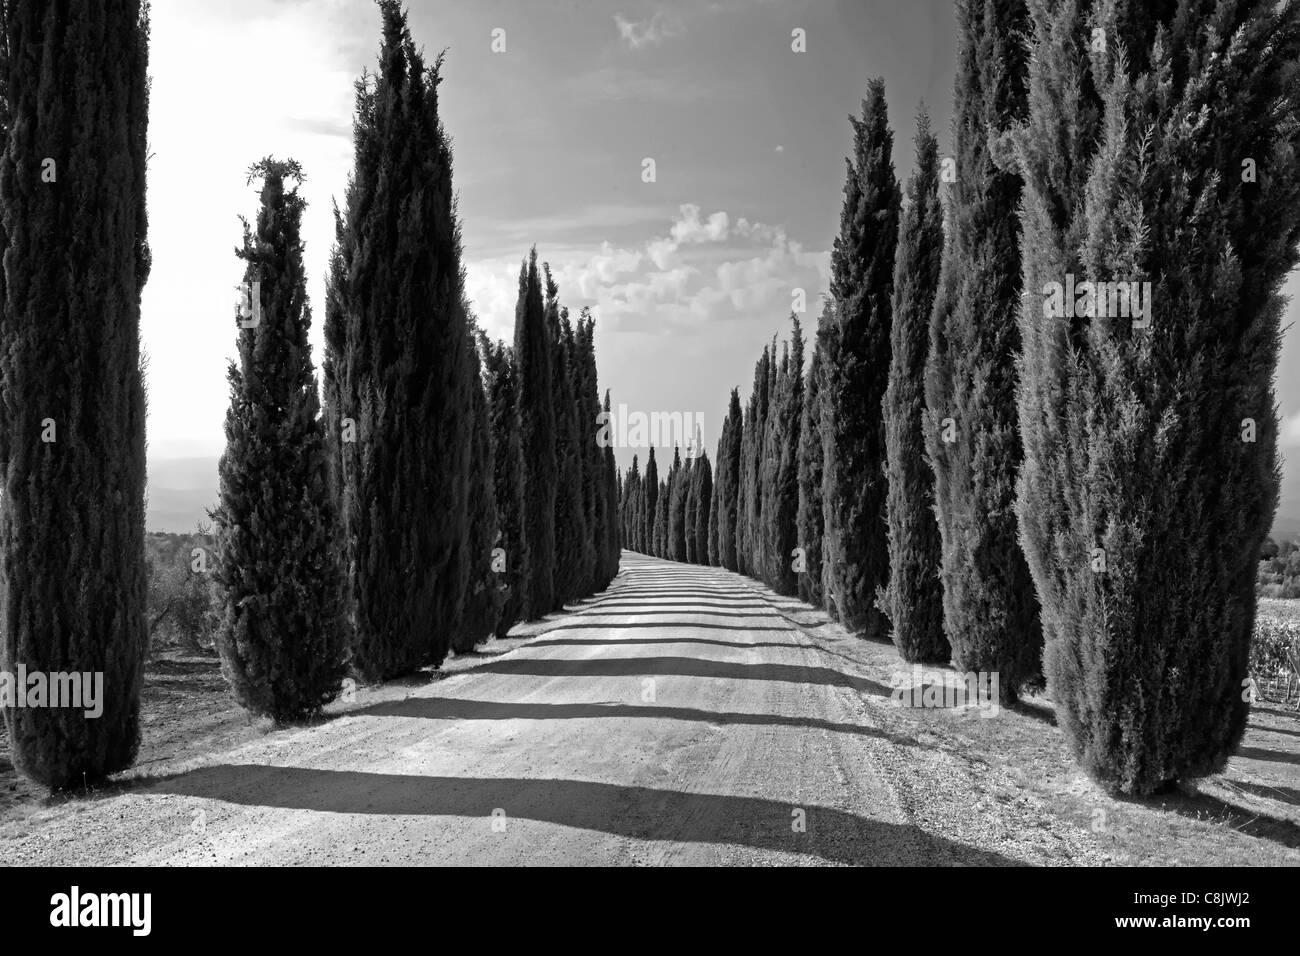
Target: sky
688 276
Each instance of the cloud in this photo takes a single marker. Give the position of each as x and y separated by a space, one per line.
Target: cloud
706 269
638 34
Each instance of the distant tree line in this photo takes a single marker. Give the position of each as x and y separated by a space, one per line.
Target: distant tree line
1279 569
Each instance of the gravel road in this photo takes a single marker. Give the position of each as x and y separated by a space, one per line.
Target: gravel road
680 717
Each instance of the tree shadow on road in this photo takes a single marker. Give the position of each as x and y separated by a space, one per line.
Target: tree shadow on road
766 613
613 626
450 708
620 641
682 667
645 603
643 813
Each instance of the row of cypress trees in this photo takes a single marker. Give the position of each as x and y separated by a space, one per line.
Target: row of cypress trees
669 517
1076 500
559 490
452 485
374 531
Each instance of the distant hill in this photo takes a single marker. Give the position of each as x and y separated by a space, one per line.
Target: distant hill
1287 521
180 492
1286 528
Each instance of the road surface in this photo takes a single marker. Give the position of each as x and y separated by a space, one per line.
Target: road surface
679 717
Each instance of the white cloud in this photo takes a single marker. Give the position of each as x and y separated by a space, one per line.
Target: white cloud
708 269
642 33
690 228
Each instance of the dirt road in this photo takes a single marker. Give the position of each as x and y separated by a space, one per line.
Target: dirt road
683 716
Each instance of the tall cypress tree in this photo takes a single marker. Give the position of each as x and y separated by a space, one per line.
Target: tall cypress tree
990 610
691 510
659 547
74 113
613 540
702 481
572 542
631 516
484 599
810 521
764 382
533 354
508 481
1151 473
650 512
678 481
748 497
853 385
913 600
713 548
594 504
398 375
728 480
279 581
781 459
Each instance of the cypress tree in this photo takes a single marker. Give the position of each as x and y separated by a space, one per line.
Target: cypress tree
702 479
764 375
691 509
613 542
594 503
728 480
631 515
781 489
573 551
747 428
636 513
279 583
74 114
765 475
748 497
769 465
508 481
650 512
1150 475
398 374
809 523
484 599
990 610
853 385
913 600
678 480
714 551
659 547
537 436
